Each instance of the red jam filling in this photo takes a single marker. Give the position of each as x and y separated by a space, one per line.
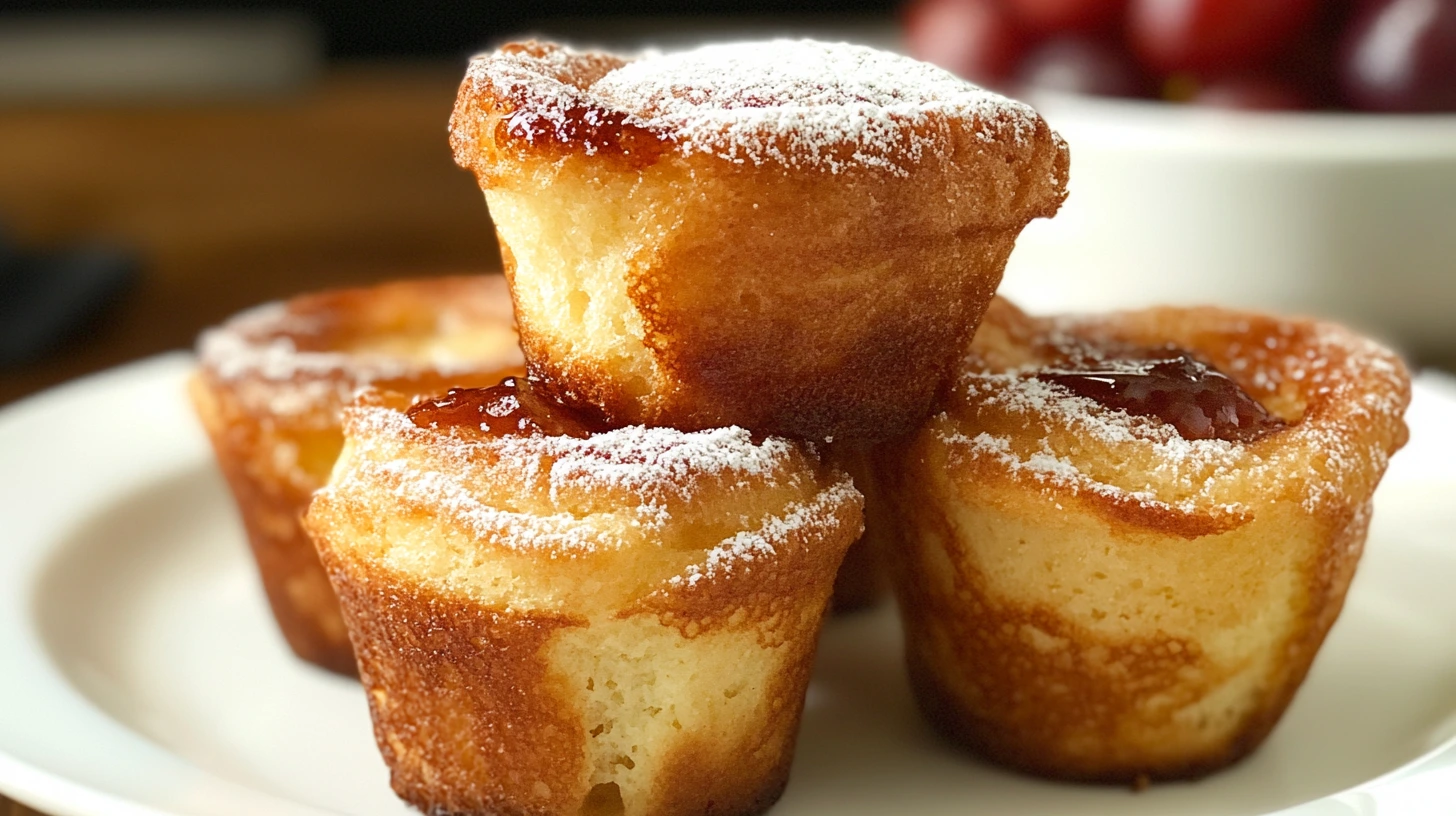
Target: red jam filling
511 408
1198 401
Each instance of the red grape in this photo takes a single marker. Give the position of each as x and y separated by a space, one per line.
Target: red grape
977 39
1252 93
1214 37
1082 65
1401 56
1309 61
1057 16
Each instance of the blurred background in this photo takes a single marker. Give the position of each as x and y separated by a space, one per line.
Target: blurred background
165 164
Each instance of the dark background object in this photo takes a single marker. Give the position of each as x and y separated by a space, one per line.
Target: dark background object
49 297
399 28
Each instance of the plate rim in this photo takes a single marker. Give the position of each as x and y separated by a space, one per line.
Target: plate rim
55 792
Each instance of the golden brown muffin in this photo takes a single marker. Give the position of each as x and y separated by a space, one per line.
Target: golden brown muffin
554 620
862 580
789 236
270 389
1094 594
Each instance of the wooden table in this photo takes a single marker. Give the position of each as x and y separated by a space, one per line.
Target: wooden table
227 205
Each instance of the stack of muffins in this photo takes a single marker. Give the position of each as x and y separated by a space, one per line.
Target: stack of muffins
746 280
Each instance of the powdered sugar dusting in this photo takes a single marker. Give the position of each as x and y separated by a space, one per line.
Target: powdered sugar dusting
654 463
742 549
642 472
1346 393
261 343
259 351
413 485
1193 464
798 103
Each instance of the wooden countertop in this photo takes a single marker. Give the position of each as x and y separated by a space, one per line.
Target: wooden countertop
228 205
9 808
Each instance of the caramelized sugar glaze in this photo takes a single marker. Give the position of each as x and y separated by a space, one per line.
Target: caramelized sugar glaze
1112 564
509 408
622 188
577 125
271 386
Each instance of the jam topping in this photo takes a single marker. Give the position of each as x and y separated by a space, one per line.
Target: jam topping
511 408
425 384
1198 401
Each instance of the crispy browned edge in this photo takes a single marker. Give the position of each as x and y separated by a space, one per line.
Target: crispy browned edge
468 716
988 640
882 386
271 508
986 636
761 366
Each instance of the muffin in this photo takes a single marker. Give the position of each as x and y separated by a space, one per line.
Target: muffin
270 388
792 237
1125 537
556 618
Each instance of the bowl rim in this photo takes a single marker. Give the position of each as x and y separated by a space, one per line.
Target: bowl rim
1138 124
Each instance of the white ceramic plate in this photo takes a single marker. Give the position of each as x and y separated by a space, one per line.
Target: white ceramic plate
140 672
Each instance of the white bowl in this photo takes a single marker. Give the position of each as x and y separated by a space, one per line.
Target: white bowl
1347 216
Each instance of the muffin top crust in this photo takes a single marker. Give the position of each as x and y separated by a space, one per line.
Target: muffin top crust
797 103
1338 396
721 497
314 352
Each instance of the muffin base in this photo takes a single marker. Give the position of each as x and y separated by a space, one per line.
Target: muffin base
473 711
